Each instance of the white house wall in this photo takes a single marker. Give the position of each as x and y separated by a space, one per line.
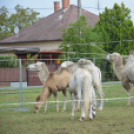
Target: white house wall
43 46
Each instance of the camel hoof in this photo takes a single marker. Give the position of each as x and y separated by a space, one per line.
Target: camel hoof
128 105
82 118
100 108
63 110
90 119
77 110
72 117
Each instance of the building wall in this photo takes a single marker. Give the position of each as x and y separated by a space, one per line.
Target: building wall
44 46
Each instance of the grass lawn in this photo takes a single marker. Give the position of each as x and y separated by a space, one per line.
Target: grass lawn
115 118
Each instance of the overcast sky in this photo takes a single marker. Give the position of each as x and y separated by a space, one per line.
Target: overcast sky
46 7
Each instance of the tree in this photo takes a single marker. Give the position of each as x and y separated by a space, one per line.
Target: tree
22 18
78 38
116 25
4 29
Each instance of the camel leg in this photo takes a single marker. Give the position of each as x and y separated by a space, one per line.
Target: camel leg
93 104
77 103
78 98
73 106
56 101
90 111
65 99
126 85
45 109
100 96
129 96
82 109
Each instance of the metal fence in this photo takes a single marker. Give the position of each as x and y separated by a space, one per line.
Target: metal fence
17 83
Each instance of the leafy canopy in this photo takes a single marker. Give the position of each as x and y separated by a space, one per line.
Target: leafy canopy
116 25
77 39
22 18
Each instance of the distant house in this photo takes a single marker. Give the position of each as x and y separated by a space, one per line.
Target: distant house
45 34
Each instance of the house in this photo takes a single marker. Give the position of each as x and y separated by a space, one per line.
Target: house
45 34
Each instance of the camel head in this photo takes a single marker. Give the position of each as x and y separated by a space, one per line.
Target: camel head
112 57
37 105
115 58
36 66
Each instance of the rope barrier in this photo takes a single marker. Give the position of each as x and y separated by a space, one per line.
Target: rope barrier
107 99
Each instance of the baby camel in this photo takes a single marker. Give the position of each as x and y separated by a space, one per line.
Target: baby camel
53 84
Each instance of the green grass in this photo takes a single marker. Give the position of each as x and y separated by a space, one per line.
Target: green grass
115 118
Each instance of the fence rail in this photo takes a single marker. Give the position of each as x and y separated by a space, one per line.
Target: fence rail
17 83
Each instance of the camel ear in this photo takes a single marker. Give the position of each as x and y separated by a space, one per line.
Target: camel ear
38 98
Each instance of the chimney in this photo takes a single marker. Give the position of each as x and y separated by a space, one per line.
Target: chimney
56 6
65 4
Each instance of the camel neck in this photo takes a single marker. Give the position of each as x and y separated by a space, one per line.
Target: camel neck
44 93
118 70
43 75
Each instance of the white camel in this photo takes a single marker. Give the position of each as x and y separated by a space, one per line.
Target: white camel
95 72
80 85
125 73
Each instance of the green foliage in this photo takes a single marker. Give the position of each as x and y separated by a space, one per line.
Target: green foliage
4 23
78 38
115 25
22 18
31 58
8 62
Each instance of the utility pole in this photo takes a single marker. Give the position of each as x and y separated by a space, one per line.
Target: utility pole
79 9
98 6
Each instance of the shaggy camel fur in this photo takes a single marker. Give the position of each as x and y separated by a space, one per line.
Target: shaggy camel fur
53 84
80 85
95 72
124 73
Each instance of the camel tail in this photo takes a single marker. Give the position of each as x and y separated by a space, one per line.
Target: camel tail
101 92
86 95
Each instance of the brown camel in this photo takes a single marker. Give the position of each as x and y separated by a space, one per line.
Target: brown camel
53 84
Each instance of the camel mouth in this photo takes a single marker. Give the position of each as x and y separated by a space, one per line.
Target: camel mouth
108 58
35 112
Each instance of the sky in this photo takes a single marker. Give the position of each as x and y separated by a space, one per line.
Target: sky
46 7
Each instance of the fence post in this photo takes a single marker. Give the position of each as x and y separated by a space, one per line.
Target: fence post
20 84
27 75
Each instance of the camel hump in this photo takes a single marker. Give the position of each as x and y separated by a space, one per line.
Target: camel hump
63 69
50 75
84 62
131 52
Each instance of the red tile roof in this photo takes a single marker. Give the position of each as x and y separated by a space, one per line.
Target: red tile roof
48 29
